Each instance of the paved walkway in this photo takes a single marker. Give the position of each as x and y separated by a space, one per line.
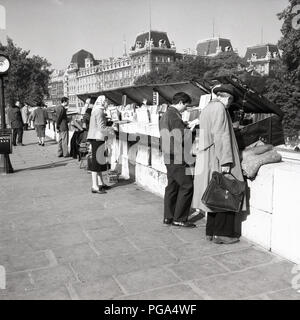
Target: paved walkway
59 241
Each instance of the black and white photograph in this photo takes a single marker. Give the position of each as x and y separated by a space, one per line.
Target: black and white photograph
149 152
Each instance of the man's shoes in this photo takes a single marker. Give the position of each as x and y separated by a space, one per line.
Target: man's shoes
98 191
224 240
60 156
20 144
168 221
105 187
185 224
209 238
39 143
42 144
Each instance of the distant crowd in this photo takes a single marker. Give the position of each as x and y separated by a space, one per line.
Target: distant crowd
22 117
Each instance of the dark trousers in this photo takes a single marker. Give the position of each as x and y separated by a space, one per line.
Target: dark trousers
17 132
220 224
178 193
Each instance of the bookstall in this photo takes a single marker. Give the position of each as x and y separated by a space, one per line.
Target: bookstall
272 220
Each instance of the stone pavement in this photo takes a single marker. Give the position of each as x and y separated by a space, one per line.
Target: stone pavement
60 241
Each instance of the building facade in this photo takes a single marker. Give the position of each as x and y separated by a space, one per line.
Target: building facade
261 58
86 75
56 87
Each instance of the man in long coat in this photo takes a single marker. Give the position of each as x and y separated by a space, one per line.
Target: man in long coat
16 123
217 151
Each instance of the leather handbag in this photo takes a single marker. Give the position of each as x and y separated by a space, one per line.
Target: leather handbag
223 193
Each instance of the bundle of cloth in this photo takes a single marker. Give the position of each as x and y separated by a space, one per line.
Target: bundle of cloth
256 155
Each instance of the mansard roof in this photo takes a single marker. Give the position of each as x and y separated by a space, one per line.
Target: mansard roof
80 56
209 46
155 36
261 50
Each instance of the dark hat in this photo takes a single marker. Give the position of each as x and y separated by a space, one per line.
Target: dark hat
228 88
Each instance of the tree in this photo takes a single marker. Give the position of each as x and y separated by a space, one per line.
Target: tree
290 41
283 87
28 77
225 63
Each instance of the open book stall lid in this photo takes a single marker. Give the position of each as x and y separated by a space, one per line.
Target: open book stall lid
250 100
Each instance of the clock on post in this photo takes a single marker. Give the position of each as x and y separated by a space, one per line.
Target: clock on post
5 134
4 64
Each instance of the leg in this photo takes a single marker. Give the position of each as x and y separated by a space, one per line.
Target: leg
65 140
20 135
14 137
210 223
60 150
100 179
185 194
171 193
224 224
95 180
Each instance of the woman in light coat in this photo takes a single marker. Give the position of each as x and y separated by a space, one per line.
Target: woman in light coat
25 116
217 151
97 134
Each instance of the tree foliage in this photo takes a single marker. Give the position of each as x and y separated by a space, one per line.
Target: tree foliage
290 41
191 67
28 77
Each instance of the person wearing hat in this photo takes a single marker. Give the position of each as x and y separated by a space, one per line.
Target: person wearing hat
217 151
98 133
39 117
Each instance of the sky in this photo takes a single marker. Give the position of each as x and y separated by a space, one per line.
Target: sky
56 29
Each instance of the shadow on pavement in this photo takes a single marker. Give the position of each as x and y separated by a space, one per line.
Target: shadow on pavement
121 183
46 166
47 143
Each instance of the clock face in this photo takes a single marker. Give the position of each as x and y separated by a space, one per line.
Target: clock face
4 64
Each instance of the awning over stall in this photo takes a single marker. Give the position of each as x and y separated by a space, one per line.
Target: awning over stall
136 94
249 100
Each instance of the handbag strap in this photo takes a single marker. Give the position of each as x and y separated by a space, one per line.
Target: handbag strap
230 174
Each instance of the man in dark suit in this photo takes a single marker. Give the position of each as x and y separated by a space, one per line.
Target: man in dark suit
62 128
179 191
16 123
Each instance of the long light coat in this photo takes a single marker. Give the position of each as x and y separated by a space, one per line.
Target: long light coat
217 147
98 128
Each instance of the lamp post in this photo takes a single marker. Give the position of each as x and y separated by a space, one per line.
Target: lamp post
5 134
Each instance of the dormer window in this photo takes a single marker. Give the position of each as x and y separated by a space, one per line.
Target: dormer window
254 55
162 43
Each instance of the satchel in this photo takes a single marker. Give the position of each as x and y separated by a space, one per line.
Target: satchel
224 194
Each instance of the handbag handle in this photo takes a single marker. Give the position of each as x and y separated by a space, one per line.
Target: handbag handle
230 174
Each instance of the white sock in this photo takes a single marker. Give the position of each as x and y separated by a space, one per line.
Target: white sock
94 180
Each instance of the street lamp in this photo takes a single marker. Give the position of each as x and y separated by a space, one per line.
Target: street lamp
5 134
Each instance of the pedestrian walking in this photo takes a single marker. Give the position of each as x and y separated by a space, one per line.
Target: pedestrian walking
97 134
179 190
25 115
16 123
39 117
62 128
217 151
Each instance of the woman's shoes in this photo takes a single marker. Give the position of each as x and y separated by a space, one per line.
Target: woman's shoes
100 191
224 240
